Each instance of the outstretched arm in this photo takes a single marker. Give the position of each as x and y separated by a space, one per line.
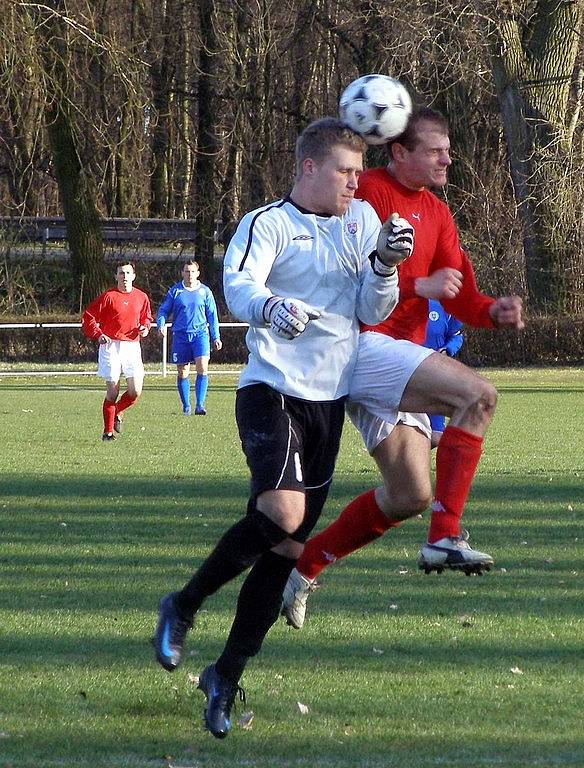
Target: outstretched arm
507 312
469 305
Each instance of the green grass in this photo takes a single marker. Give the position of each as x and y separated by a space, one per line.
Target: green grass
396 668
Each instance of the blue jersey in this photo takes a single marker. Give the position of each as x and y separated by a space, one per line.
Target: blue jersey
191 310
443 331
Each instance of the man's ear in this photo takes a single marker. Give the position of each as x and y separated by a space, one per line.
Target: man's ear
398 151
309 167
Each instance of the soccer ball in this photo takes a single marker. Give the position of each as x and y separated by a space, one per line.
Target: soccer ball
376 106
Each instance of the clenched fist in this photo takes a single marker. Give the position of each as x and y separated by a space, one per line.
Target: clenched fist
395 241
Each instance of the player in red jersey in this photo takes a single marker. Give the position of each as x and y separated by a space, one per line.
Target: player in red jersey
117 320
397 382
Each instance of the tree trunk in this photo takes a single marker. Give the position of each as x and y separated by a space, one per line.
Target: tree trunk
76 190
533 65
207 146
260 96
21 124
162 73
237 43
183 170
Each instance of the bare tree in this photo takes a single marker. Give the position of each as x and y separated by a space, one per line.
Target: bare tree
162 29
183 155
76 188
535 50
208 105
192 107
21 116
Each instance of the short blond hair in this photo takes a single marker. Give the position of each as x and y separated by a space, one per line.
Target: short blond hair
319 137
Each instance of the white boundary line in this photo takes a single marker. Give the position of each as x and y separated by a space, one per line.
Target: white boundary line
94 373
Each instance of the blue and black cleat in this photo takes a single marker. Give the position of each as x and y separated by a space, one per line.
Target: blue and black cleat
170 633
220 693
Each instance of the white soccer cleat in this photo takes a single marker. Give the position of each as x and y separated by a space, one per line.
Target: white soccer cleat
453 552
296 592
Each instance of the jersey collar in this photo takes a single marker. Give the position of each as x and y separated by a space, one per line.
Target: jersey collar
288 199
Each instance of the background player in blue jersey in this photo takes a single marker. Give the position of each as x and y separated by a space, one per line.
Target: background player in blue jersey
444 334
193 311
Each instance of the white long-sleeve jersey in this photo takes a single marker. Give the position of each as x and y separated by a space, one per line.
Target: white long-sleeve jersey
283 250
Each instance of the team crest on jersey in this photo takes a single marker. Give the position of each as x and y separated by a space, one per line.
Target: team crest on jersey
352 227
433 315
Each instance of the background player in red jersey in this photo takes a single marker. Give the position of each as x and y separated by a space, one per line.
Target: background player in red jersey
397 382
117 320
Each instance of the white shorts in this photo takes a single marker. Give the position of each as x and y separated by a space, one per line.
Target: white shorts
384 367
117 357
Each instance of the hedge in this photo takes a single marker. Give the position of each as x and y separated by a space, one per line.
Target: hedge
545 341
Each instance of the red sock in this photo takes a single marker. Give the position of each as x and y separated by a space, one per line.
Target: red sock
124 402
109 414
358 524
456 463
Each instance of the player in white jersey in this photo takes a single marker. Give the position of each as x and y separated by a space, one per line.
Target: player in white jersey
315 246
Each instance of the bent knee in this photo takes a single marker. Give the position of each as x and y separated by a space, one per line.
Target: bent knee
480 402
285 508
289 548
487 400
402 506
415 505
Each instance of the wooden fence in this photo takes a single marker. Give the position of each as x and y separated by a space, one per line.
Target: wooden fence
53 229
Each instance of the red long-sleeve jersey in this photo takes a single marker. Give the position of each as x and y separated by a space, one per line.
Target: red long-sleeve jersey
117 314
436 246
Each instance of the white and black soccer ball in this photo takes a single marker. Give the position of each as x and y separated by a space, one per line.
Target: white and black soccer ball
376 106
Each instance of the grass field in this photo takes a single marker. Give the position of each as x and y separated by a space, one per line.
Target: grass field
396 668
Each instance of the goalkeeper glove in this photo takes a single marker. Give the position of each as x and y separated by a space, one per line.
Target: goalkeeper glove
395 241
288 318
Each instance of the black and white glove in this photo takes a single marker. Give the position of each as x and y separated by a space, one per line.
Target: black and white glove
288 318
395 241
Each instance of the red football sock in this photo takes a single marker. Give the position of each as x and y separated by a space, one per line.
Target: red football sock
109 414
124 402
359 523
456 463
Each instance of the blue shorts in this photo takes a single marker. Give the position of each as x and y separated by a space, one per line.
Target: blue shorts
437 423
186 351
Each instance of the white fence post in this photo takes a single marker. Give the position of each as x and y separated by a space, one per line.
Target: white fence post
164 353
